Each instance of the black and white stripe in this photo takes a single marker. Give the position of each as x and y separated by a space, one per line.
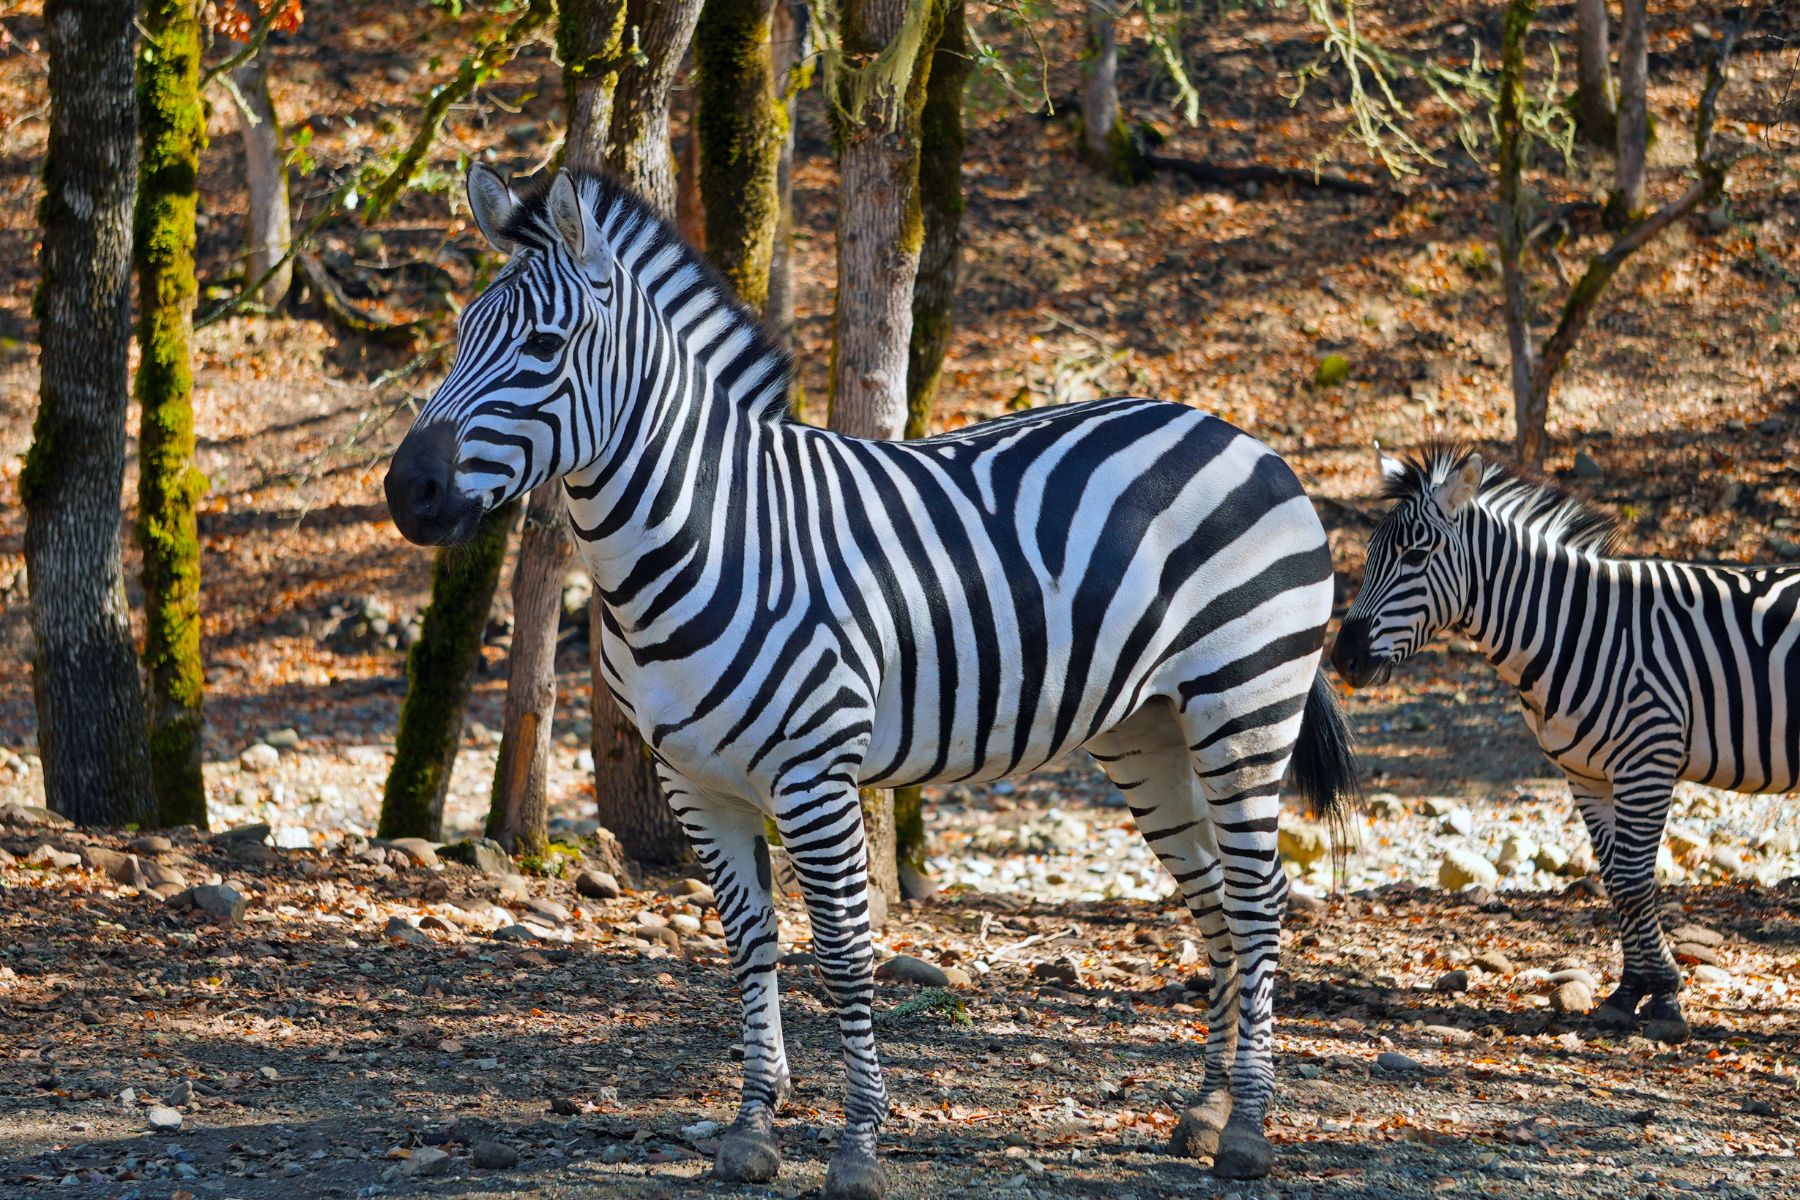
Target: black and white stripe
1633 673
791 615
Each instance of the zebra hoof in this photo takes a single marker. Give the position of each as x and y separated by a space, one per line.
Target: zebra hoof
1197 1133
1242 1154
854 1177
1611 1016
746 1155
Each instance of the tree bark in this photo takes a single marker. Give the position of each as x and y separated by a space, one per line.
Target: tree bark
438 668
587 40
1626 204
1529 417
265 172
638 141
1595 117
742 125
1106 141
518 817
84 669
788 33
172 129
630 803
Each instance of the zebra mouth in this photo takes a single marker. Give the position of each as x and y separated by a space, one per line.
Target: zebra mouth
427 506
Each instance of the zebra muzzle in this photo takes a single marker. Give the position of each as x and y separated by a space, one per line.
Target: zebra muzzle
422 495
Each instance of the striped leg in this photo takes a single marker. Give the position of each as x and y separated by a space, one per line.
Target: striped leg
1594 800
728 839
823 833
1641 795
1146 759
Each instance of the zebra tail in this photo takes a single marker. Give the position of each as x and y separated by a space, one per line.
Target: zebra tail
1325 771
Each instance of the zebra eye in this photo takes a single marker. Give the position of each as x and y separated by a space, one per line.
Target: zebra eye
1416 556
543 343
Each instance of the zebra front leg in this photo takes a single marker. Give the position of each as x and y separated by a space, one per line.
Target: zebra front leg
1594 800
728 839
1641 807
823 834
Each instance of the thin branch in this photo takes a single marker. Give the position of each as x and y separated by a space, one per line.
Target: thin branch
259 34
1209 172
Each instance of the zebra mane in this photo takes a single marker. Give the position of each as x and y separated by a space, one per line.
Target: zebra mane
639 238
1529 505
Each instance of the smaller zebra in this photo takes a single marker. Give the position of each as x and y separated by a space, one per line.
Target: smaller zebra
1633 673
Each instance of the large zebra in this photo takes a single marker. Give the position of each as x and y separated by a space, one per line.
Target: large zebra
791 614
1633 673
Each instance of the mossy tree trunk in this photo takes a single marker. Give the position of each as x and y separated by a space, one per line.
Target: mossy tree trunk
789 27
270 224
630 804
172 129
84 669
934 299
742 124
1106 141
1595 117
438 670
880 93
1529 419
587 39
1626 204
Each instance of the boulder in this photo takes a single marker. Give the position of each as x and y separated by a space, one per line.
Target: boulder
1460 869
597 885
1303 842
904 968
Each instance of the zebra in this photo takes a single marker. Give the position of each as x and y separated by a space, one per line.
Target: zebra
1632 673
790 615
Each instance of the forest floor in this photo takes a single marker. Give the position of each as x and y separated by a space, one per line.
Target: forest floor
1685 394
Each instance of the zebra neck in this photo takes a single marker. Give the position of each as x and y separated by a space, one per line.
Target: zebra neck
1519 597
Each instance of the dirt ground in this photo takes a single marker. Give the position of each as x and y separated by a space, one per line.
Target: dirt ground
1686 394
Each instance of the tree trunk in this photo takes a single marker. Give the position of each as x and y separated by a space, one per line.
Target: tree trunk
84 670
172 128
519 814
587 39
742 125
638 142
788 34
1530 418
880 229
265 171
630 803
1106 142
1626 204
1595 118
690 208
589 35
438 668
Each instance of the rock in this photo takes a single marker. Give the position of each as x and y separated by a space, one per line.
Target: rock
1304 902
957 977
1385 804
49 856
1580 975
1452 981
684 924
1572 996
916 884
1694 952
1687 845
1709 975
115 866
215 900
282 739
1062 974
257 832
417 849
160 878
150 845
163 1119
1587 885
1458 821
181 1095
260 758
486 855
1586 468
1757 1107
1304 842
513 889
32 814
1551 858
1397 1063
493 1156
552 913
402 930
693 891
252 852
1494 962
904 968
1517 850
1729 861
1438 806
1447 1033
427 1161
1698 935
597 885
658 934
1465 868
517 933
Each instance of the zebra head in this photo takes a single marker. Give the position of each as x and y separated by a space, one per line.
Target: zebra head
1416 581
504 420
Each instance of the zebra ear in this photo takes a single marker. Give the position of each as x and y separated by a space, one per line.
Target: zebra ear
1460 488
569 215
492 202
1390 467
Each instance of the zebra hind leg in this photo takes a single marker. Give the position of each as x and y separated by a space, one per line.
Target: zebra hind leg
728 839
1147 761
823 834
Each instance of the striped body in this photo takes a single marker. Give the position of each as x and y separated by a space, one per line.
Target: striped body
790 614
1632 673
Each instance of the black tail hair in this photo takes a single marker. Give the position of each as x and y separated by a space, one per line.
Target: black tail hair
1324 769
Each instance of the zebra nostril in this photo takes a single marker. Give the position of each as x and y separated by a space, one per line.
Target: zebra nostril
426 494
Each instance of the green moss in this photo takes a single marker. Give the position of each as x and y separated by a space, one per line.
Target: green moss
742 126
909 827
941 206
438 669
